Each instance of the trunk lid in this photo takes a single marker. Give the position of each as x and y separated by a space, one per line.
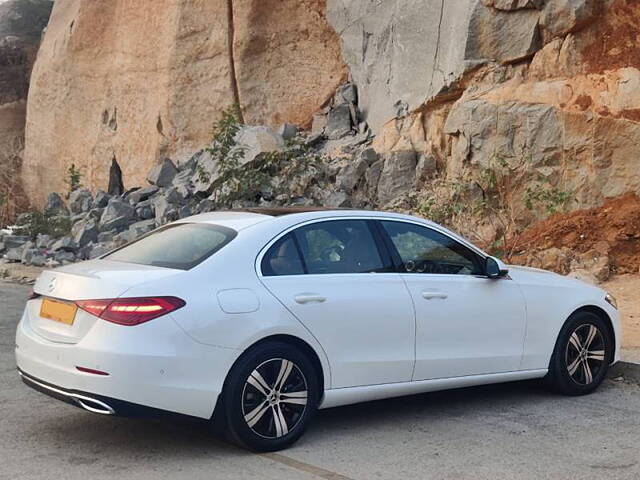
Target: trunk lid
92 280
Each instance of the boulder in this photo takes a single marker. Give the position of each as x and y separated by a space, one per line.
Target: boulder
338 122
15 241
398 176
333 200
141 194
351 174
101 199
510 5
144 210
85 232
14 254
162 174
66 244
426 168
346 93
116 215
42 240
287 131
55 205
561 17
80 201
254 141
63 257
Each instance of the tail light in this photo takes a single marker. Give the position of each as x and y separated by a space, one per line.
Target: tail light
131 311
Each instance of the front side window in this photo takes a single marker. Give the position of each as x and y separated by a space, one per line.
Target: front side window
423 250
339 246
181 246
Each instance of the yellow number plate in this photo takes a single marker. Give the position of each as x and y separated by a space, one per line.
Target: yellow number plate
58 311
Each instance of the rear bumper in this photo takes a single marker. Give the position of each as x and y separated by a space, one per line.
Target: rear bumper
152 368
92 402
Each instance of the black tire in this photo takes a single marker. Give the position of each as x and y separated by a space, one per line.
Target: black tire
582 355
267 420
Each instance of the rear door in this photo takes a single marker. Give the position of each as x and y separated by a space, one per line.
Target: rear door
466 323
334 277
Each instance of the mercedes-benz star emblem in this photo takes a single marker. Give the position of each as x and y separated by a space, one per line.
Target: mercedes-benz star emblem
52 285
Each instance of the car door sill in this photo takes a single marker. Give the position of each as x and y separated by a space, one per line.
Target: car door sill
346 396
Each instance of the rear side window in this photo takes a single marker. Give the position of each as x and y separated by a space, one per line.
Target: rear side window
181 246
282 259
339 246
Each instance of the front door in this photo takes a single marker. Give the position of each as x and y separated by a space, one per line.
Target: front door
466 324
334 277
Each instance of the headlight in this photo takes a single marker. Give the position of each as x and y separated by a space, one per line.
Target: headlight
611 300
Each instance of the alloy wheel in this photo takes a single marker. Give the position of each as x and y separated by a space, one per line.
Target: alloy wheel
585 354
274 398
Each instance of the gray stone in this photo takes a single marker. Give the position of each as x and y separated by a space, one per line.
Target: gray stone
346 93
101 199
99 250
85 232
14 254
38 260
561 17
426 168
174 197
55 205
288 131
66 244
15 241
318 124
185 211
116 214
338 122
42 240
144 210
337 200
162 174
2 247
398 176
370 156
182 182
372 177
27 255
105 237
63 257
164 211
140 228
255 141
80 201
351 174
502 37
204 175
95 213
141 194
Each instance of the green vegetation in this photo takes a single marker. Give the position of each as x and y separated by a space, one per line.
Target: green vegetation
73 179
34 223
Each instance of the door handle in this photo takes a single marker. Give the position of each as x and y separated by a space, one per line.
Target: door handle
431 295
309 298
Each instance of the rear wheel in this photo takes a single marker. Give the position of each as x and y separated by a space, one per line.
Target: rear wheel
582 355
270 397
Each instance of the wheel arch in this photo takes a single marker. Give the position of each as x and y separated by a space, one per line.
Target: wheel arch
600 313
283 338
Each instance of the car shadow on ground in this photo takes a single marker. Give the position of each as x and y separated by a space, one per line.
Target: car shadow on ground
177 436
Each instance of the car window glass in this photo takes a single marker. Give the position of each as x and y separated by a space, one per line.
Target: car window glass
339 246
282 258
424 250
181 246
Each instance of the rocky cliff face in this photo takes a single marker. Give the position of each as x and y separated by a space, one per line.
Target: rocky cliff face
488 114
140 81
21 24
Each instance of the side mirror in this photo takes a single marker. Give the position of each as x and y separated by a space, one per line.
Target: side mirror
494 268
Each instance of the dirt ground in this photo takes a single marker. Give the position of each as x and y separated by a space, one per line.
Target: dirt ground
612 230
626 289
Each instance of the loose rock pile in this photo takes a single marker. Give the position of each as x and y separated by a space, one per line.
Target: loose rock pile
333 165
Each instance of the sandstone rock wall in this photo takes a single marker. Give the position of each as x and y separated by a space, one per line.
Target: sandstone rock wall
138 80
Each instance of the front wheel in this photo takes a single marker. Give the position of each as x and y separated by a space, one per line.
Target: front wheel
582 355
271 394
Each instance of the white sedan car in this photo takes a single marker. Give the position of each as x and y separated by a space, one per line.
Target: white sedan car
255 319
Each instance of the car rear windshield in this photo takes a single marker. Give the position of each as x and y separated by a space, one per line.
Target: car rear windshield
181 246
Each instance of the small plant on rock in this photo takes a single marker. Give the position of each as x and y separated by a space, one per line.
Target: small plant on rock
73 179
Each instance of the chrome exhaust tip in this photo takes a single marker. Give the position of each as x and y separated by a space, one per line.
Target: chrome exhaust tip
89 404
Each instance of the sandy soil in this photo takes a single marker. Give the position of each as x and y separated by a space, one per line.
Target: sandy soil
626 289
